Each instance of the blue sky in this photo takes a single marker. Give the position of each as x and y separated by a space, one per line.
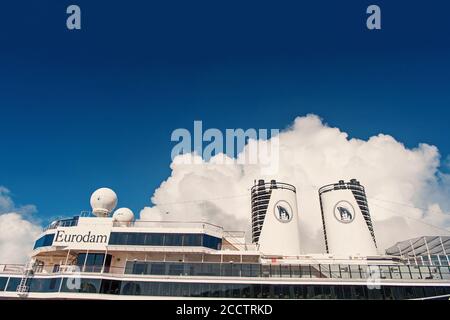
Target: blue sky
96 107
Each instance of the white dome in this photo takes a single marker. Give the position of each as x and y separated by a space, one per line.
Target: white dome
123 216
103 201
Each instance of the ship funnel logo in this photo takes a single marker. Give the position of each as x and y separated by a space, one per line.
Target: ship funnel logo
344 212
283 211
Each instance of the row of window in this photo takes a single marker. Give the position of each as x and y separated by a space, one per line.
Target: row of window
150 239
286 271
93 262
70 222
228 290
165 239
35 284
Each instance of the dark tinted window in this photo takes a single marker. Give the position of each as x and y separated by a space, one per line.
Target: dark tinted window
173 239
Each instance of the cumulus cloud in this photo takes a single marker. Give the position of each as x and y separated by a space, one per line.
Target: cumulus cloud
17 230
408 195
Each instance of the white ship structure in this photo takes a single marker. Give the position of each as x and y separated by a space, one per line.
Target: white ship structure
107 254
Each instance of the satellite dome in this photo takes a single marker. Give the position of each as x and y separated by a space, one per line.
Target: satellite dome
103 201
123 216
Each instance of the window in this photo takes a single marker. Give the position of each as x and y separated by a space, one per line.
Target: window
86 286
136 239
193 240
93 262
173 239
131 288
44 241
157 268
211 242
210 269
250 270
3 281
154 239
139 268
176 269
110 286
285 271
305 271
226 269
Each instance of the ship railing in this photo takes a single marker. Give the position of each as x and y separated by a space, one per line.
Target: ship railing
206 226
12 268
258 270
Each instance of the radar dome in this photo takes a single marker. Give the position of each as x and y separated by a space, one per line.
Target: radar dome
123 216
103 201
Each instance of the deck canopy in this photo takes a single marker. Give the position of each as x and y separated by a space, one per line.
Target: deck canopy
421 246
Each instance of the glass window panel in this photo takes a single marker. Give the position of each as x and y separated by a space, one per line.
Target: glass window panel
312 292
445 272
267 291
86 286
265 270
3 281
154 239
355 272
388 293
335 271
305 271
275 270
164 289
246 291
157 268
429 291
347 292
194 240
405 273
173 239
110 286
236 269
299 292
140 268
435 273
408 292
285 271
425 260
415 272
226 269
295 271
359 292
176 269
257 291
328 292
395 272
375 294
385 272
281 291
195 289
316 271
444 261
425 271
205 290
435 260
210 269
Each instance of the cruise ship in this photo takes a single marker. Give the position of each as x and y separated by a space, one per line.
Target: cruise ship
108 254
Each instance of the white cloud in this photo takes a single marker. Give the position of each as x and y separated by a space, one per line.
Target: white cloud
313 154
17 231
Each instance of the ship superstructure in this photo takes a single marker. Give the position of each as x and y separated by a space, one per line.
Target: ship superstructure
108 254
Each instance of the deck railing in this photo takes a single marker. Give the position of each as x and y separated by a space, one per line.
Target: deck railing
251 270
